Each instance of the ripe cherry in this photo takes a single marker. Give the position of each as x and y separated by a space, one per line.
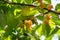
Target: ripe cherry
28 24
50 6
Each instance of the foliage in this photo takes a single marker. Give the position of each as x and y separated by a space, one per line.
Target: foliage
17 18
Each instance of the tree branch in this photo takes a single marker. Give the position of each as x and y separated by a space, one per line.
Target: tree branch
12 3
52 11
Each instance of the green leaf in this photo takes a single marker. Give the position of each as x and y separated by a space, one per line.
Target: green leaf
56 20
2 17
58 32
54 31
40 17
47 1
27 11
17 12
49 38
53 14
18 1
46 29
36 27
57 7
8 38
39 30
1 3
29 1
58 37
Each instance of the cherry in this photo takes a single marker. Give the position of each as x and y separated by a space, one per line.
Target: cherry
50 6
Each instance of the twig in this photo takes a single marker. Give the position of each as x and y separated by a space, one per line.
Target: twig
52 11
13 3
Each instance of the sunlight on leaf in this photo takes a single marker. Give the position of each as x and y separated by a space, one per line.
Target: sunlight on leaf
51 23
8 38
14 1
29 2
39 30
2 31
16 10
58 32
